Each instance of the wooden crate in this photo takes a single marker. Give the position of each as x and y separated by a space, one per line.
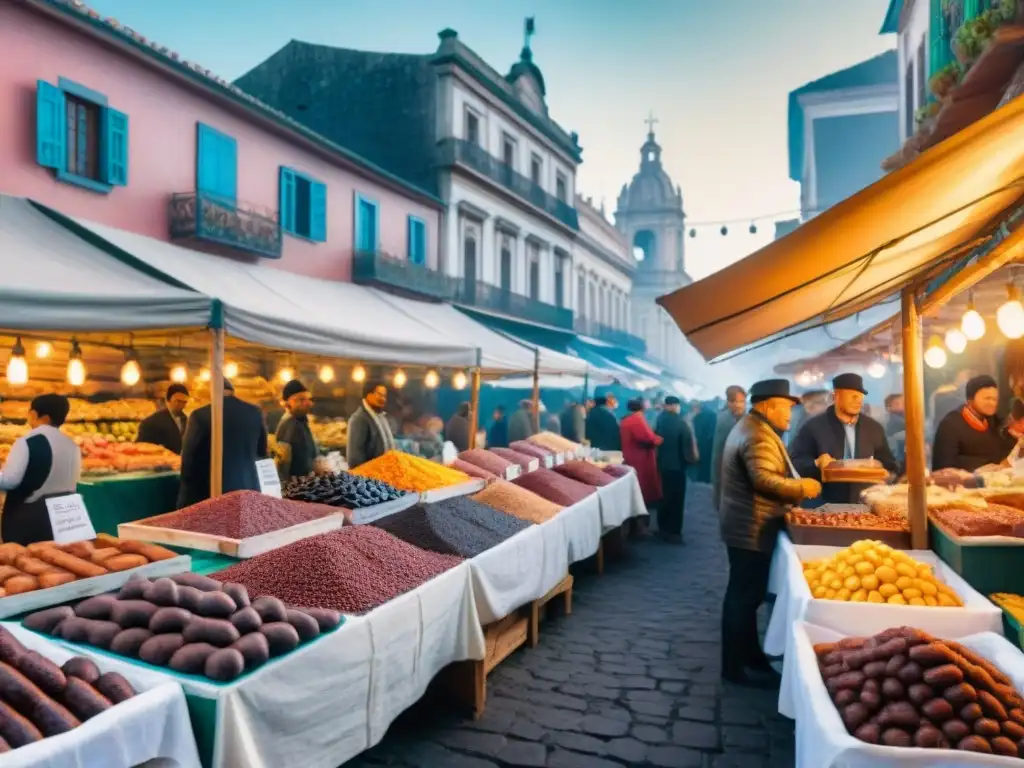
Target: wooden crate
563 588
466 681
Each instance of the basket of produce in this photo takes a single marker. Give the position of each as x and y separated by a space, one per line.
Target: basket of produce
190 623
839 525
46 573
238 524
868 471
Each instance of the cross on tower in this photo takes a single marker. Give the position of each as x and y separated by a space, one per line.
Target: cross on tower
651 120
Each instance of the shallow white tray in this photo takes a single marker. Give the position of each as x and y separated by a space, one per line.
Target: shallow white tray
14 605
365 515
462 489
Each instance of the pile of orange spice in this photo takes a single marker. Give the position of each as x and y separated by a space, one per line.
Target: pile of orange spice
411 473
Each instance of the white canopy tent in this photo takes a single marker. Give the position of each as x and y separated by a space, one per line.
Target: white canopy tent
56 281
267 306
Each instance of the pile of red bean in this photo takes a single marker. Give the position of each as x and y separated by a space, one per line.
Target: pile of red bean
617 470
584 472
240 515
352 570
487 460
473 470
515 457
554 487
536 451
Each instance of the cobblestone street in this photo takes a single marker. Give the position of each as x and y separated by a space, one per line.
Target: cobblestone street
630 679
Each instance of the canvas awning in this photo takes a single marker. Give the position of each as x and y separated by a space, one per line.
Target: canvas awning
279 309
865 248
51 280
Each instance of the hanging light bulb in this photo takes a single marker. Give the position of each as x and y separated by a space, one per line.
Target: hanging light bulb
935 355
877 369
956 342
1010 316
431 380
17 368
724 231
230 370
693 233
131 372
972 323
358 374
399 379
285 375
43 350
179 374
76 368
326 374
805 379
204 374
459 380
753 228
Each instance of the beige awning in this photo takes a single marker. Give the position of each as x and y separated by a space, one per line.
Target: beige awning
866 247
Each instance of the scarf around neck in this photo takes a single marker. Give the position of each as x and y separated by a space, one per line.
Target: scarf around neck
974 421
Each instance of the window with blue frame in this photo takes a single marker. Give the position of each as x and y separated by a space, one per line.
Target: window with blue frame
80 136
417 241
216 165
303 205
367 224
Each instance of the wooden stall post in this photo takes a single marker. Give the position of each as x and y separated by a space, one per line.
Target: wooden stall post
913 397
586 386
536 389
216 411
474 402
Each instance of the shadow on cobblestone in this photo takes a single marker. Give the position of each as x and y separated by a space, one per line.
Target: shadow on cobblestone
630 679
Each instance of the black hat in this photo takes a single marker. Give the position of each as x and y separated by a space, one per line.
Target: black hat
672 400
292 388
851 381
766 390
978 383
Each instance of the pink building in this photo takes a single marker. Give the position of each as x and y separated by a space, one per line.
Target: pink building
102 123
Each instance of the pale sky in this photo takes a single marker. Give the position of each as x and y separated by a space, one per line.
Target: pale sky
716 73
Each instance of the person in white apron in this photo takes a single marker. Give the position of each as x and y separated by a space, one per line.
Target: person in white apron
43 464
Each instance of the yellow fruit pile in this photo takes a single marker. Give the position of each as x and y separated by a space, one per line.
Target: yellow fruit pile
1012 604
873 572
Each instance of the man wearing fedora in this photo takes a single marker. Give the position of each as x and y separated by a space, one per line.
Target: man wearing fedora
759 484
841 432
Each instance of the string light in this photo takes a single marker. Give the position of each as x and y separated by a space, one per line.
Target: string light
131 372
230 370
399 379
459 380
956 342
972 323
43 350
935 355
285 375
179 374
17 367
431 380
204 374
358 374
76 367
877 369
1010 316
326 374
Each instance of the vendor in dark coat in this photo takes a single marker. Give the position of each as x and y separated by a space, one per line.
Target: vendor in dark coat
167 426
841 432
602 426
457 429
969 437
298 454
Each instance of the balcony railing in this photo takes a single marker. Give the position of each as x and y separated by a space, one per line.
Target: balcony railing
477 158
201 217
962 29
396 273
492 298
620 338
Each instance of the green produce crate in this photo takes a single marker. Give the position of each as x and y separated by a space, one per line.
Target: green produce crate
1012 629
987 568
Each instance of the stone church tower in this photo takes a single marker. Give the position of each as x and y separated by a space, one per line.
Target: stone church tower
650 215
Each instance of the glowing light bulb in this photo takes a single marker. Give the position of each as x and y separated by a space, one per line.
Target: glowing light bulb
459 380
131 373
286 375
43 350
358 374
17 367
179 374
230 370
935 355
1010 316
877 369
76 368
956 342
204 374
399 379
431 380
972 323
326 374
805 379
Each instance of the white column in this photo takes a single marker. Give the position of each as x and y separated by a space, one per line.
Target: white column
487 256
453 253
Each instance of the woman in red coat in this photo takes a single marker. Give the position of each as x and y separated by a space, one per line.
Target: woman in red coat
639 450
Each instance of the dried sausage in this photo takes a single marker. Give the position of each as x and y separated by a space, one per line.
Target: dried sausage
224 665
100 556
134 588
124 563
55 579
115 687
238 593
17 585
190 659
896 737
844 697
937 710
100 633
270 609
216 605
10 646
255 650
246 620
152 552
197 581
159 649
132 613
911 673
16 729
82 568
946 675
892 689
283 638
959 695
991 706
217 632
127 642
1003 746
47 676
84 700
162 592
986 727
929 737
955 730
306 625
932 655
49 716
98 607
855 715
82 668
169 620
46 621
975 744
82 549
869 732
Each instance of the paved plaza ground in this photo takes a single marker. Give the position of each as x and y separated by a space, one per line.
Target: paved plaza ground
630 679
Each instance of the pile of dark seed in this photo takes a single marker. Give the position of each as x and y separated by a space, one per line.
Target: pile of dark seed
456 526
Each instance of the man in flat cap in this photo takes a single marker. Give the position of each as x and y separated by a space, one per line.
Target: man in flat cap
297 452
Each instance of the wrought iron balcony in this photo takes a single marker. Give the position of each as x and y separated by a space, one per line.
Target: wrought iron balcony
205 218
627 341
397 274
476 158
494 299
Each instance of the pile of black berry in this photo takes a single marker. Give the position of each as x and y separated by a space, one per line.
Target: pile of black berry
341 489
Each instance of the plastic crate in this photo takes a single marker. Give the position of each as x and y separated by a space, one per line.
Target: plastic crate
986 568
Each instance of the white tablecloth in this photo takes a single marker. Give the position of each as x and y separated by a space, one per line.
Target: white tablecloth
620 501
822 740
509 575
582 523
794 602
150 726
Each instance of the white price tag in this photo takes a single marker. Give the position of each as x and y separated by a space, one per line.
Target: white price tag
549 461
559 459
513 472
70 519
270 483
448 452
533 465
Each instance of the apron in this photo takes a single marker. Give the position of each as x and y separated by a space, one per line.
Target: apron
24 522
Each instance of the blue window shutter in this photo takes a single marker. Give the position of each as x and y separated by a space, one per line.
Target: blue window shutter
371 229
50 126
421 232
287 200
115 138
417 241
207 161
317 212
410 240
228 167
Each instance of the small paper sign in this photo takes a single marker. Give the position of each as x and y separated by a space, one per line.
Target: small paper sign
270 483
448 452
533 465
559 459
70 519
513 472
549 461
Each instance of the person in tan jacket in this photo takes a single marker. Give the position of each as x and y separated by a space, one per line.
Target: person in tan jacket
759 483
